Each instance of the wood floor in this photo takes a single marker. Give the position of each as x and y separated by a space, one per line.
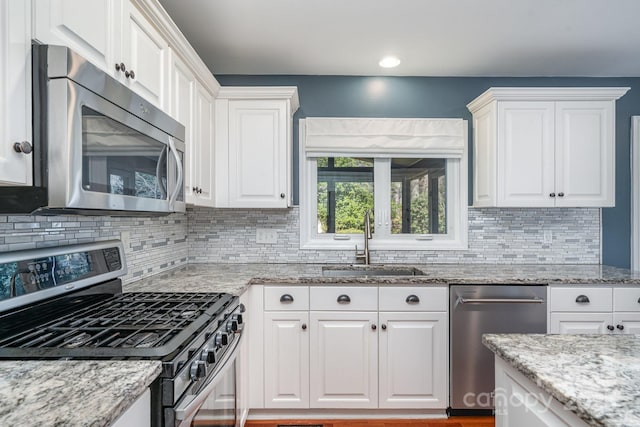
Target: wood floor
451 422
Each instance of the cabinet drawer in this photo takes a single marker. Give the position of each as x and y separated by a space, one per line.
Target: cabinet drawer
626 299
286 298
347 298
413 298
567 299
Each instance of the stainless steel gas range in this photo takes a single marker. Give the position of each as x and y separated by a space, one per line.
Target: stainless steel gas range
67 303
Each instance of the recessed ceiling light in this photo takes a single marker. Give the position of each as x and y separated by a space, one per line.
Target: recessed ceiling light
389 62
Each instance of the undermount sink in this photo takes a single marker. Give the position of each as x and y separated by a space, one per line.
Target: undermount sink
370 270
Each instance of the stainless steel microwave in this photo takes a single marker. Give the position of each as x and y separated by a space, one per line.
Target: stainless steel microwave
99 147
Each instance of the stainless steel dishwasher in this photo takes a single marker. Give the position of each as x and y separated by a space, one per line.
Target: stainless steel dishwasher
486 309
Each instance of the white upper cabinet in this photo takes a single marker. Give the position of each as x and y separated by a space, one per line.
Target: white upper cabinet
192 105
203 148
146 55
544 147
91 28
183 88
113 35
254 146
15 92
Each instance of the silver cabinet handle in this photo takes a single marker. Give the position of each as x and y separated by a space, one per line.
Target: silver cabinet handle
582 299
344 299
500 300
412 299
286 298
23 147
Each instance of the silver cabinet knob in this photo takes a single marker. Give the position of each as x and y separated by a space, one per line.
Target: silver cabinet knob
23 147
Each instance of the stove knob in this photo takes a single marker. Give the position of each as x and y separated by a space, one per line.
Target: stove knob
208 355
237 318
221 339
198 370
232 326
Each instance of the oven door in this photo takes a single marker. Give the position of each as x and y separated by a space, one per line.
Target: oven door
102 157
214 402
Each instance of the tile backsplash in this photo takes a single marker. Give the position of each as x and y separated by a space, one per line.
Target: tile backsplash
154 244
229 236
495 236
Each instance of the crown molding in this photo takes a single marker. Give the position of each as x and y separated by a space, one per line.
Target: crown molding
546 94
262 92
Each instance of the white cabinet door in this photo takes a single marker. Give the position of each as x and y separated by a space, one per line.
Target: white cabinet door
203 140
15 91
413 360
90 28
627 323
183 89
585 151
146 54
344 359
580 323
286 359
552 147
258 158
525 153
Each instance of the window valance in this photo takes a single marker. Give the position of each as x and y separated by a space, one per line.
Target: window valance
384 137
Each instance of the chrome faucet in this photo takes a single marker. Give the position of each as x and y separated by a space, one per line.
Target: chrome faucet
364 256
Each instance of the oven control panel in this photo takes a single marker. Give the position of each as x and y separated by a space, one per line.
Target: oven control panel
26 276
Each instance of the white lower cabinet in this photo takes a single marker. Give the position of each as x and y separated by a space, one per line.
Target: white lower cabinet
412 358
579 323
286 359
355 347
344 360
519 402
594 310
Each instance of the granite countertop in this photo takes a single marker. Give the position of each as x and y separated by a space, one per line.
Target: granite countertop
596 376
235 278
71 393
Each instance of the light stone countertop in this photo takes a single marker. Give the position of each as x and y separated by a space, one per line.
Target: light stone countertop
65 393
236 278
71 393
596 376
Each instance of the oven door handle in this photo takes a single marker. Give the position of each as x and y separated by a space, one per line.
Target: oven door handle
176 191
189 406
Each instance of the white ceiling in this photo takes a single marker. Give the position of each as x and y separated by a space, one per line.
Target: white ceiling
431 37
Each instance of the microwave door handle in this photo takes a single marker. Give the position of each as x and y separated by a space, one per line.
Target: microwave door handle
179 179
163 189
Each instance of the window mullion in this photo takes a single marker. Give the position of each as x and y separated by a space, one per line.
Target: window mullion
382 197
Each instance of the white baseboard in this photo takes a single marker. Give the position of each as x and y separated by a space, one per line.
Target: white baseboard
335 414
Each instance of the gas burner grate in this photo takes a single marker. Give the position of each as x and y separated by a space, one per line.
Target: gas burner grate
126 321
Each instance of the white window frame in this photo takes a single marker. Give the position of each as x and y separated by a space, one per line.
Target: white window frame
635 197
457 206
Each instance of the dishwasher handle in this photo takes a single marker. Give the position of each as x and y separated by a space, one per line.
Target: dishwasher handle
500 300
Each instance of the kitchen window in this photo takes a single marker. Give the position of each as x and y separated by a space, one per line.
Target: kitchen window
410 173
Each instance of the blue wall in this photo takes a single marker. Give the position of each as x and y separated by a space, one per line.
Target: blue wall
342 96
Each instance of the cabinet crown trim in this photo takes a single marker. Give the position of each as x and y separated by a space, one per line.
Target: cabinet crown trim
546 94
270 92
